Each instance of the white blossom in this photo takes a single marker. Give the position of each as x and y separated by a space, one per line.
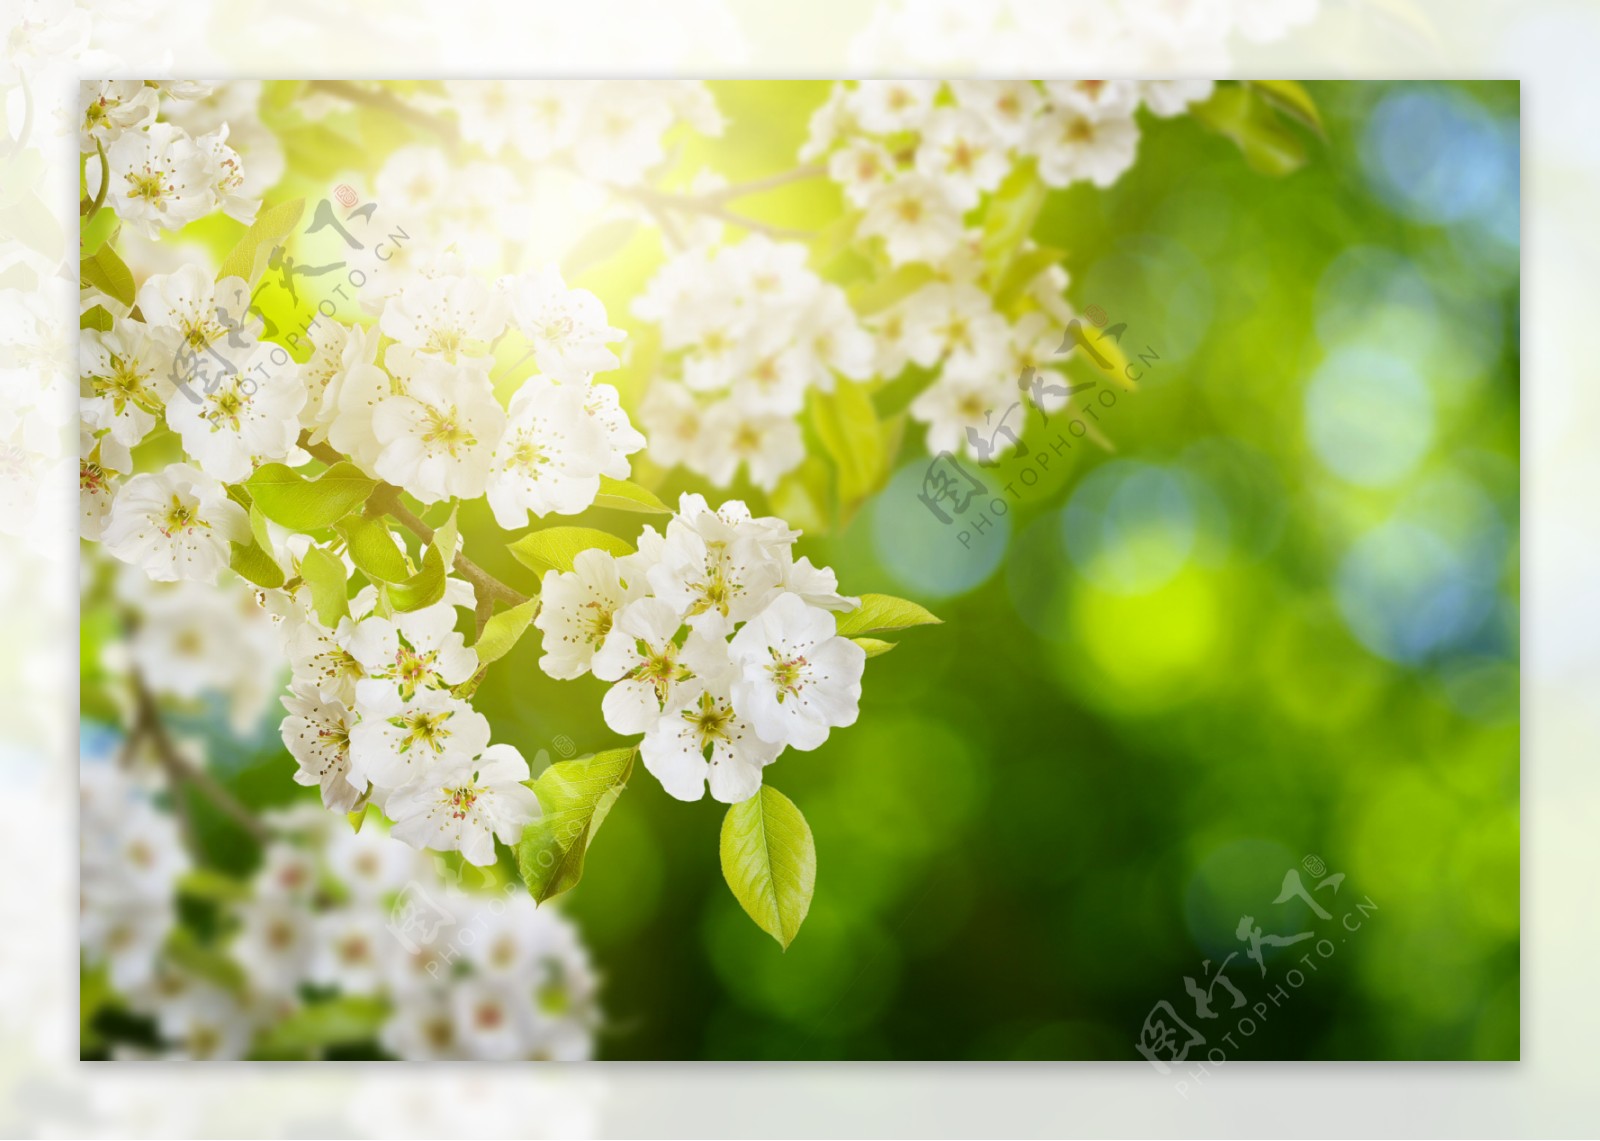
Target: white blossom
576 610
796 678
464 803
175 524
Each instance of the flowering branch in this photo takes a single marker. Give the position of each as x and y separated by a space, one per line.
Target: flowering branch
387 499
148 725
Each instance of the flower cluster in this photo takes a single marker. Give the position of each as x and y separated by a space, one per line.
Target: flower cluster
331 915
157 176
130 855
721 647
610 131
428 420
917 161
375 716
756 330
915 156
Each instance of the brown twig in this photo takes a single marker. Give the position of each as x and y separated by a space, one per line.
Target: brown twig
149 726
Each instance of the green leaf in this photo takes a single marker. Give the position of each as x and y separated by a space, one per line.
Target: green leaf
770 861
1237 112
301 504
880 291
621 495
1026 266
1010 216
210 884
879 612
108 273
1293 99
847 424
873 646
423 588
373 550
555 548
318 1025
255 565
575 796
184 948
330 594
96 318
249 256
501 632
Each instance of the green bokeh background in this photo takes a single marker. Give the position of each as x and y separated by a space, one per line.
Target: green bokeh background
1279 620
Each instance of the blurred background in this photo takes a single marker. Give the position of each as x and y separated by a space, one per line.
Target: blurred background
1270 622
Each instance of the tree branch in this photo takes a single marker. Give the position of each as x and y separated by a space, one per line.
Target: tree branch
148 725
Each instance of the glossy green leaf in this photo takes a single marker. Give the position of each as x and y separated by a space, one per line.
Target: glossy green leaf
249 256
96 318
503 630
874 646
621 495
330 593
372 548
770 861
555 548
879 612
421 589
108 273
286 497
576 796
252 563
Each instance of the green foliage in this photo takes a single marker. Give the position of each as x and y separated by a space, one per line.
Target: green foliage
575 796
427 586
874 646
290 499
1246 115
324 573
848 426
770 861
555 548
108 273
372 548
503 630
621 495
880 612
345 1020
249 257
186 950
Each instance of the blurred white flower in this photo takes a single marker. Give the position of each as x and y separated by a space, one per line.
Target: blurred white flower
917 217
566 328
